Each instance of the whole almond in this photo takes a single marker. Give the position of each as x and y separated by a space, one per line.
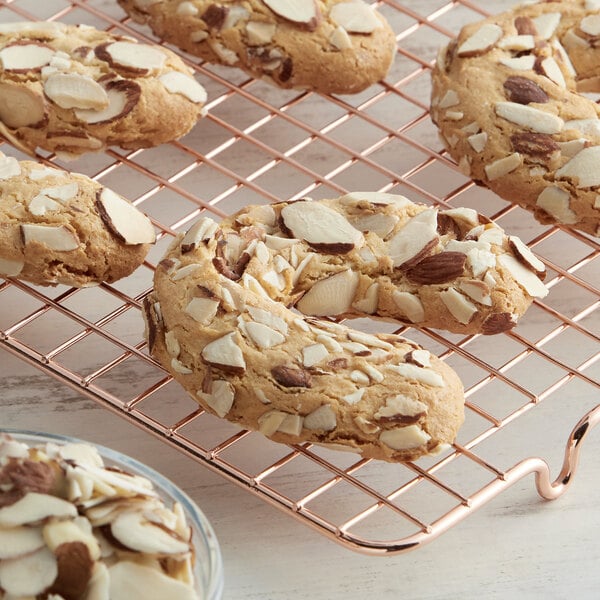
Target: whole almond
439 268
498 323
291 376
524 91
537 145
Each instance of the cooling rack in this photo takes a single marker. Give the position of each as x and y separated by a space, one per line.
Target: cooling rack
258 144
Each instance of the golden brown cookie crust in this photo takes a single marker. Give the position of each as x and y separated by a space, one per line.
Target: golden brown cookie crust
58 227
505 97
75 89
331 46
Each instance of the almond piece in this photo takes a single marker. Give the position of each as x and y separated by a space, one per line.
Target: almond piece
225 353
556 202
33 508
414 240
438 268
404 438
340 39
41 204
529 117
519 63
291 377
378 223
546 24
399 409
322 418
123 219
202 310
459 307
9 167
19 541
131 56
481 41
263 336
321 227
523 276
476 290
28 575
21 58
355 17
582 168
11 267
303 12
503 166
409 305
314 354
176 82
220 398
123 95
59 237
260 33
526 256
71 90
201 231
331 296
524 91
20 107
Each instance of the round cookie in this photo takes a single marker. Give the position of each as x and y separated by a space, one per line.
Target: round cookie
330 46
59 227
253 361
374 254
74 89
507 100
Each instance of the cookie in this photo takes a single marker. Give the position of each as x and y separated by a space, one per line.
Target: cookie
251 360
332 47
59 227
74 89
506 100
373 254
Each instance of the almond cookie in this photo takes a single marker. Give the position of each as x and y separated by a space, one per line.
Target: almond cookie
59 227
73 89
380 254
251 360
505 98
330 46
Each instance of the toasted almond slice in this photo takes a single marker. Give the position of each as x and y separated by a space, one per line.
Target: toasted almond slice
28 575
71 90
130 580
123 96
260 33
320 226
180 83
34 508
263 336
523 276
529 117
9 167
330 296
556 202
202 310
404 438
409 305
378 223
481 41
460 307
525 255
582 168
304 12
41 204
220 398
18 541
123 219
546 24
20 106
355 17
224 352
414 238
25 57
131 55
322 418
11 267
135 532
59 237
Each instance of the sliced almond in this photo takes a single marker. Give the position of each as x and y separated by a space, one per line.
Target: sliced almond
20 106
590 24
478 141
378 223
260 33
476 290
304 12
59 237
34 508
25 57
320 226
517 42
18 541
71 90
9 167
529 117
63 193
526 256
556 202
201 231
409 305
39 205
546 24
368 304
355 17
523 276
404 438
123 95
57 533
322 418
412 371
398 407
225 353
11 267
314 354
129 579
263 336
415 238
582 168
376 198
503 166
340 39
553 72
481 41
131 56
135 532
28 575
266 318
519 63
459 307
331 296
123 219
202 310
220 398
179 83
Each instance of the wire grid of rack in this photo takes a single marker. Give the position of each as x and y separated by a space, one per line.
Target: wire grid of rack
258 144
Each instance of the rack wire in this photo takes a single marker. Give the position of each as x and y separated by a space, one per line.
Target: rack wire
258 144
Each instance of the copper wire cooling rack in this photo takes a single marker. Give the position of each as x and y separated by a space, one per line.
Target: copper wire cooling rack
525 389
